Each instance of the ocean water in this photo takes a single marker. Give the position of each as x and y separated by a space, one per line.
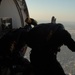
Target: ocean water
66 57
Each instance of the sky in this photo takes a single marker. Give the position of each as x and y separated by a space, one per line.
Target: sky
43 10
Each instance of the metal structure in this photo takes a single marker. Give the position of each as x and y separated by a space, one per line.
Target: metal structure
16 10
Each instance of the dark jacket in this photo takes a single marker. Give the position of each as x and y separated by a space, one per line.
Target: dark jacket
51 36
45 41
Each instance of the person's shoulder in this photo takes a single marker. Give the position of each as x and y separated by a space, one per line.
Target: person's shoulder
61 26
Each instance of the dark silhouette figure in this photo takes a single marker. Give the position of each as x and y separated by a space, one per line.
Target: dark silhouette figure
45 41
10 52
12 42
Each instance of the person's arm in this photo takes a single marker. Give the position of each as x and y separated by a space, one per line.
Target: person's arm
68 41
33 22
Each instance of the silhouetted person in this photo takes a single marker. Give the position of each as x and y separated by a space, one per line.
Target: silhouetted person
53 20
10 51
45 41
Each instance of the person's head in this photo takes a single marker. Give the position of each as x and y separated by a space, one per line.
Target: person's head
31 21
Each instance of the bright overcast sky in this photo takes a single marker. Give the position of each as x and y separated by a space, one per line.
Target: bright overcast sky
63 10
